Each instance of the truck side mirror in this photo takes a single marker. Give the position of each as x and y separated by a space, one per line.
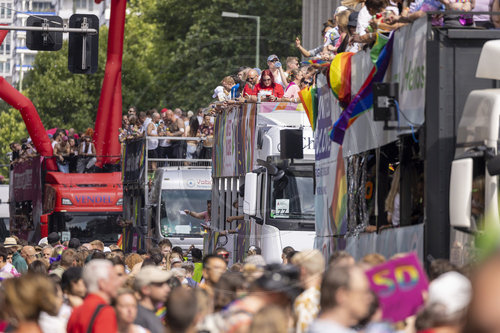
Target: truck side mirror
461 193
493 166
250 199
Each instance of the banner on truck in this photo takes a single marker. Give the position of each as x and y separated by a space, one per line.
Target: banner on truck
235 141
407 69
27 181
134 156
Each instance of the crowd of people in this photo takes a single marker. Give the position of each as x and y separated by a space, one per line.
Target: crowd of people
189 136
73 152
72 287
77 153
353 27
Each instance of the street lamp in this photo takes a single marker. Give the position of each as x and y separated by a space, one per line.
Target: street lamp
257 18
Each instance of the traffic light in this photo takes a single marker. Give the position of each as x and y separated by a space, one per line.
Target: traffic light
41 40
83 49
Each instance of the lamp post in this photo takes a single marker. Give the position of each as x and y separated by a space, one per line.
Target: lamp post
257 18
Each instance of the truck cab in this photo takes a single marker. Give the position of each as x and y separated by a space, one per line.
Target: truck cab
264 173
180 189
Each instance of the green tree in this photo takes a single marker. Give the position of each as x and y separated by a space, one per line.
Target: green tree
12 129
198 47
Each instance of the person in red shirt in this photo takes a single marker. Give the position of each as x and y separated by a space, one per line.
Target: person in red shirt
95 314
267 83
250 88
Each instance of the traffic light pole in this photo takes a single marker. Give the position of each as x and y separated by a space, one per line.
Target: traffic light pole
50 29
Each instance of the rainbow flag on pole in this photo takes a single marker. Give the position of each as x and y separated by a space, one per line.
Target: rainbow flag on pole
363 101
309 98
339 77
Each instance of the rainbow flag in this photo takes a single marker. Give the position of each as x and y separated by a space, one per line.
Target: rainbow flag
339 77
363 101
323 63
338 207
309 98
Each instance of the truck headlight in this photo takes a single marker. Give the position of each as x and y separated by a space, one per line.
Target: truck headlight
66 202
119 202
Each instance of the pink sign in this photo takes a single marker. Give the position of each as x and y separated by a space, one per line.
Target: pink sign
399 284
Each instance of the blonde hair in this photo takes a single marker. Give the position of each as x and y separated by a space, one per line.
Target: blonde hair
270 319
389 201
97 244
228 80
311 260
373 259
343 20
25 297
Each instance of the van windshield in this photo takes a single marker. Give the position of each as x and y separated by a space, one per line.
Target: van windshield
173 221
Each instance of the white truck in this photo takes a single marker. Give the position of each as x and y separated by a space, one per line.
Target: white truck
181 188
263 171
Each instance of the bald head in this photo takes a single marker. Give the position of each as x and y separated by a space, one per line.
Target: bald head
29 254
252 76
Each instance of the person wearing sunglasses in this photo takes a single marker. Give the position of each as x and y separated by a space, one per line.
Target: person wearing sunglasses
276 69
250 89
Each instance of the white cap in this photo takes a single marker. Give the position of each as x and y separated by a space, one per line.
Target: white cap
217 91
452 289
106 249
43 241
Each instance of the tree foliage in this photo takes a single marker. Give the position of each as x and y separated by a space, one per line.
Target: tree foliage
12 129
175 54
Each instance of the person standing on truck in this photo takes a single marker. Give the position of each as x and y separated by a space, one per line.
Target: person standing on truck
175 127
62 151
86 155
152 131
207 132
192 132
268 84
250 89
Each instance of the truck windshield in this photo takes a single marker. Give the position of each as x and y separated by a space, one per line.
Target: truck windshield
87 227
173 221
292 197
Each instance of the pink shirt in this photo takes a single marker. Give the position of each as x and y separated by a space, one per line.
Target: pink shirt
292 91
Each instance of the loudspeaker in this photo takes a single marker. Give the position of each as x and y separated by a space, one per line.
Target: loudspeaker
384 95
291 144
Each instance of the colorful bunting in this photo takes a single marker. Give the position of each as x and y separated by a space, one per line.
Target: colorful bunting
339 77
322 63
363 100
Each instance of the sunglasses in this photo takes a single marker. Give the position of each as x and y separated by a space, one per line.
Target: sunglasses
307 82
224 255
274 60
